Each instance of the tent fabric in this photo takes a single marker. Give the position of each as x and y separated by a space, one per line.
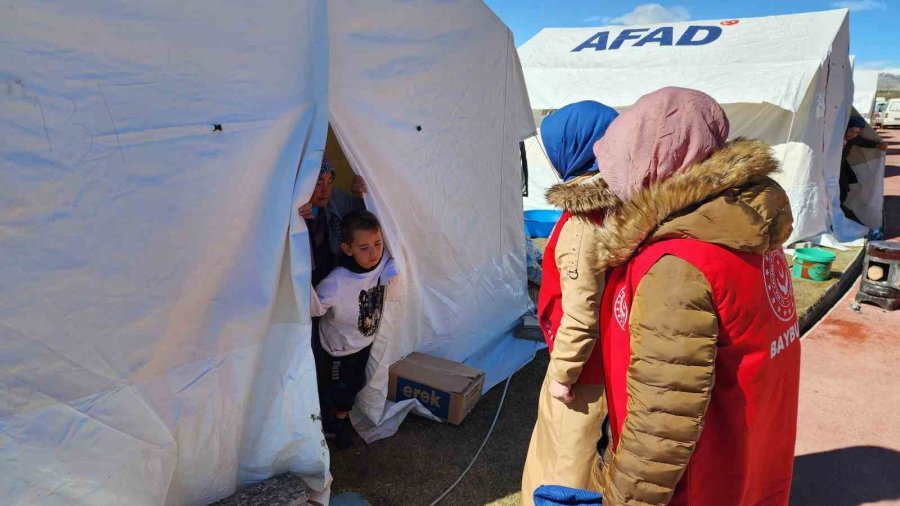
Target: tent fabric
429 105
865 88
153 353
154 318
785 80
781 53
865 199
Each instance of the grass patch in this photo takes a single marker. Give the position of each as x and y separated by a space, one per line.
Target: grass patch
807 293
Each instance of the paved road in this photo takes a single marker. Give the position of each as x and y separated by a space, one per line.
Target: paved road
848 442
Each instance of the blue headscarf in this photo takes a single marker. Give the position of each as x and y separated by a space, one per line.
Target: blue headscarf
569 135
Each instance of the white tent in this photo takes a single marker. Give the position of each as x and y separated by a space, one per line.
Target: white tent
154 327
784 79
865 87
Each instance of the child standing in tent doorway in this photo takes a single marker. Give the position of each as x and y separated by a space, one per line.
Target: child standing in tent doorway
323 214
350 301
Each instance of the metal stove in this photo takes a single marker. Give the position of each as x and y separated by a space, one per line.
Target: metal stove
881 275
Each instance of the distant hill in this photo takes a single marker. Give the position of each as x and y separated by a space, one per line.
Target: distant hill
888 83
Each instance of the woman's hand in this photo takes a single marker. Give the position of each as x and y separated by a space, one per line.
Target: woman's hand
561 392
306 211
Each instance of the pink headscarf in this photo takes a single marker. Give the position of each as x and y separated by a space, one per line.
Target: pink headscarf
662 134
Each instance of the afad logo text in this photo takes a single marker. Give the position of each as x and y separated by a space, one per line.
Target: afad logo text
694 35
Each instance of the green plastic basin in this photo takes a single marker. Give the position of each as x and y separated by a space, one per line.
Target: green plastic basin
812 263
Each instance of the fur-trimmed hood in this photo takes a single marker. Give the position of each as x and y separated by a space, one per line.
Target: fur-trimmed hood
583 195
727 199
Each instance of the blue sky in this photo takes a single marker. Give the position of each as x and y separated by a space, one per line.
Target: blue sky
874 40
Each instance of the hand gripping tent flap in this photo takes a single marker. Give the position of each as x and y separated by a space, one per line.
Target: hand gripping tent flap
786 80
154 327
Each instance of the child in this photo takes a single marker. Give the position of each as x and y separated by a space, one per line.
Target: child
350 301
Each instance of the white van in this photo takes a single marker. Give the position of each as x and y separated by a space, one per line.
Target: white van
878 115
891 115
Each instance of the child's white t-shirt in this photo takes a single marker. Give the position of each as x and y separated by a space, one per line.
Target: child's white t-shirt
350 305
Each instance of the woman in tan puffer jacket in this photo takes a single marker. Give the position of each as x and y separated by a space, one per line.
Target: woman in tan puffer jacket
700 341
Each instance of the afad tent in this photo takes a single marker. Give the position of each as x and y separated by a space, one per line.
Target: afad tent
154 327
784 79
865 87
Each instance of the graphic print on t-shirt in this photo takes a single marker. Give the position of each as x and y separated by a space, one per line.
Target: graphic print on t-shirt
370 304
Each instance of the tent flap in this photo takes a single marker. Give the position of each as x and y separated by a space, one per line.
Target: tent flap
429 106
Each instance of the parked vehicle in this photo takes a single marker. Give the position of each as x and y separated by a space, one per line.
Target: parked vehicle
878 106
878 115
891 115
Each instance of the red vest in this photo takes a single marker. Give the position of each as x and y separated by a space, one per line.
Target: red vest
745 453
550 304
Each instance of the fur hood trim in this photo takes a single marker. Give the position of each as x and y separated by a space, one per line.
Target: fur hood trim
738 164
583 195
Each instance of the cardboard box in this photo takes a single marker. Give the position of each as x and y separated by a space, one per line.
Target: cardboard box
446 388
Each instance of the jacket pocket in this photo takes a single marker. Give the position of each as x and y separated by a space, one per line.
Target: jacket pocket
569 246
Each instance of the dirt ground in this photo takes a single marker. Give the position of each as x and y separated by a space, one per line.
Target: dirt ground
848 441
424 458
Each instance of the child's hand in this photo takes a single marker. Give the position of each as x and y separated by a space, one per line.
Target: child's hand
561 392
360 189
306 211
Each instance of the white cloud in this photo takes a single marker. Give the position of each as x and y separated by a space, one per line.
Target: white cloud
597 19
886 67
860 5
871 65
647 14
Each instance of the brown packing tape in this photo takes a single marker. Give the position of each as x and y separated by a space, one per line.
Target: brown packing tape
474 393
462 404
457 410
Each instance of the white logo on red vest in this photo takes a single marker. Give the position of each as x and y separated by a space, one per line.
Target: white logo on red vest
620 308
780 291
